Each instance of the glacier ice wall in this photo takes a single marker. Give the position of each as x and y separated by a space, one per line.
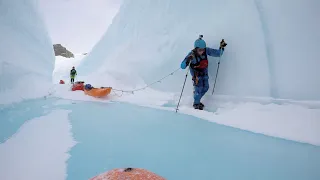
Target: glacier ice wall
26 53
272 45
292 38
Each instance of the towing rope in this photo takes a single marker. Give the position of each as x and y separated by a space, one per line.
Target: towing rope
148 85
51 90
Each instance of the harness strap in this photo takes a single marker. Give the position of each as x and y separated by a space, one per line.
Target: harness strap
197 72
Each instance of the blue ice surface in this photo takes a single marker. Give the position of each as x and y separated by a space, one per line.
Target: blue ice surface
14 115
173 145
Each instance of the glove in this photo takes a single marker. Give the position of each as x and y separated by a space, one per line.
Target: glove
223 44
188 61
189 58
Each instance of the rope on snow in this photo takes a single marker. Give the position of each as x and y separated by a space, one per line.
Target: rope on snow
126 91
148 85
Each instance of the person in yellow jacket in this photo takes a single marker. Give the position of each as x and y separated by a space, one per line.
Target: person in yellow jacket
73 74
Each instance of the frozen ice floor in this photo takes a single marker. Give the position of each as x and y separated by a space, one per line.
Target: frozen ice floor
175 146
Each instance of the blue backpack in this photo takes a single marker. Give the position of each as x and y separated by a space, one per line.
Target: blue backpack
88 87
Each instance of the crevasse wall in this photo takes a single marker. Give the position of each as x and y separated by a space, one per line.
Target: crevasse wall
26 53
272 45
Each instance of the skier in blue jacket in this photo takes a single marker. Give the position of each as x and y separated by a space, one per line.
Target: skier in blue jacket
198 61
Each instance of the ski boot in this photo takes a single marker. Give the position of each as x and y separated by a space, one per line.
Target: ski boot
198 106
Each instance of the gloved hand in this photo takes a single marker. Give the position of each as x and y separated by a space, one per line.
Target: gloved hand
223 44
188 61
190 57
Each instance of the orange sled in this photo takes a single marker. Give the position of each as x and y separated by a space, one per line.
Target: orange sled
98 92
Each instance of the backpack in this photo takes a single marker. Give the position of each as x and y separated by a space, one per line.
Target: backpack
73 72
88 87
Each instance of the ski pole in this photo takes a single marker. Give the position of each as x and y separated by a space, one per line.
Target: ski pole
217 73
183 86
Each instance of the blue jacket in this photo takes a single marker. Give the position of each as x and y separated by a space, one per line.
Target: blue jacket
209 51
